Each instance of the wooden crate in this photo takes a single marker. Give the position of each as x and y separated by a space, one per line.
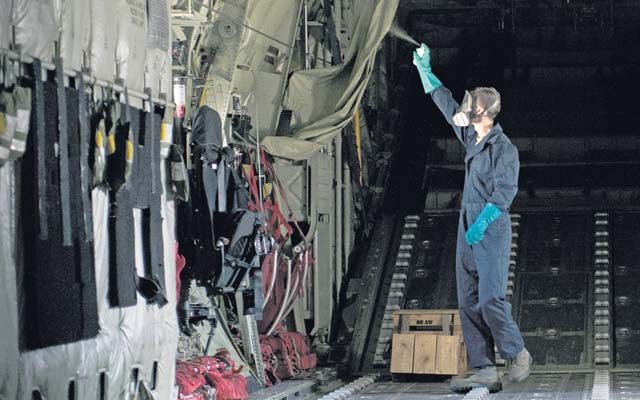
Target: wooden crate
428 342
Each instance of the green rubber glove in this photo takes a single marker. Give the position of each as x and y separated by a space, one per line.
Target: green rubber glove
422 61
476 231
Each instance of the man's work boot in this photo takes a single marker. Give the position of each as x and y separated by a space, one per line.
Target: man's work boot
486 377
520 367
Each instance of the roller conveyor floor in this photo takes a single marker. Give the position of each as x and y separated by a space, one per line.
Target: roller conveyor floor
571 278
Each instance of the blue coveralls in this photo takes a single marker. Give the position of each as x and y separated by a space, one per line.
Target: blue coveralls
491 175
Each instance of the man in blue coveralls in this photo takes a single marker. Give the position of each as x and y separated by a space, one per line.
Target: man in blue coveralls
484 231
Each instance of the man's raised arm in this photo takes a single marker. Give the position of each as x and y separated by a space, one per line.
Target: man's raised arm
440 94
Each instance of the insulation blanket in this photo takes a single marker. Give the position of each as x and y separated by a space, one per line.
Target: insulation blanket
36 27
131 48
5 23
74 18
130 342
158 60
9 355
103 40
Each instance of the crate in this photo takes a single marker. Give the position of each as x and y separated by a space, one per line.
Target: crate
428 342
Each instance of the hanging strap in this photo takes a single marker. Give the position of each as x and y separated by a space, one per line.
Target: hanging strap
85 179
41 149
132 139
153 135
222 184
240 190
155 203
252 180
63 155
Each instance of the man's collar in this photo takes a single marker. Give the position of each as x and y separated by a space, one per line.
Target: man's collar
493 134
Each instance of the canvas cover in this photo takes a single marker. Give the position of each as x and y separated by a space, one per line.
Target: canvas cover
324 100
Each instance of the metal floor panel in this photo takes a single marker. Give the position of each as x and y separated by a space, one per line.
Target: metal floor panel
552 302
288 390
626 278
625 386
406 391
574 386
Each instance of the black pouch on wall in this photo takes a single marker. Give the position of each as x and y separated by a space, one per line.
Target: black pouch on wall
58 293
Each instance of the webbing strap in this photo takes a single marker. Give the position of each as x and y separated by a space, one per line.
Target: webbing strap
236 262
41 150
239 202
152 139
210 183
63 155
85 179
222 184
253 187
130 159
154 136
127 115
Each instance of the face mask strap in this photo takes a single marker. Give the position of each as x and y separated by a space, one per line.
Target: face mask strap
467 103
495 103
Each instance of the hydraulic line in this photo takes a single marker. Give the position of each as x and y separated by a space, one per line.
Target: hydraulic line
304 279
267 296
293 293
284 302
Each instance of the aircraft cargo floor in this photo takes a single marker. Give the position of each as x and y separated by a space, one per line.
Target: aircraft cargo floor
539 386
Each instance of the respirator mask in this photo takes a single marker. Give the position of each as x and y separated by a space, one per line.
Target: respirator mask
466 113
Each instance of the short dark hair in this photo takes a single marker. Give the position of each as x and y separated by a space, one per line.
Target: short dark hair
489 99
